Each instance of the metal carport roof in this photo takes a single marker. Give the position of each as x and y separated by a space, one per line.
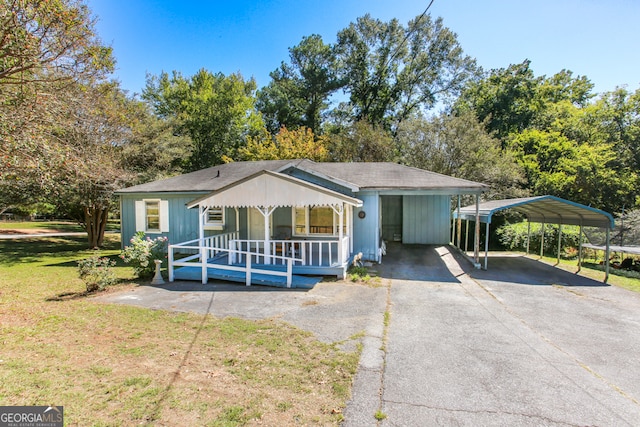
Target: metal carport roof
546 209
542 209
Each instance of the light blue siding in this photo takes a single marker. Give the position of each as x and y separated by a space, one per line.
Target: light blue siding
426 219
183 222
366 231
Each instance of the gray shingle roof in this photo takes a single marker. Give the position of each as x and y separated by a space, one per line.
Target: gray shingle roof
382 176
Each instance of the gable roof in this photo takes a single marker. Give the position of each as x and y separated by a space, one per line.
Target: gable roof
547 209
267 188
372 176
388 176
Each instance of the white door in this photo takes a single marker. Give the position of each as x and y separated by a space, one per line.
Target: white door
256 224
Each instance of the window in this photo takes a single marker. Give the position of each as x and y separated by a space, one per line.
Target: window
152 216
215 218
320 220
315 220
300 221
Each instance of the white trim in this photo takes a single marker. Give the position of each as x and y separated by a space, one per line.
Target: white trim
335 223
142 217
164 216
268 188
215 225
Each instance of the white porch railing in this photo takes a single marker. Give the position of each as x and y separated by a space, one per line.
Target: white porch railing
244 255
317 253
201 258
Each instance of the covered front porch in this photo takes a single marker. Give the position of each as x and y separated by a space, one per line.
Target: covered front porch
312 234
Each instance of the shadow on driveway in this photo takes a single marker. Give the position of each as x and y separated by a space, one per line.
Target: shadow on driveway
417 262
516 268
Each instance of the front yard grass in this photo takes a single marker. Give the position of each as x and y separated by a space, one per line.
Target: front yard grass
594 272
112 365
30 227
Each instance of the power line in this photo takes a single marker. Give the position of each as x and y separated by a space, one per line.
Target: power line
411 30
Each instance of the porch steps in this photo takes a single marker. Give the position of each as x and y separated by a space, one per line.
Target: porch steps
298 282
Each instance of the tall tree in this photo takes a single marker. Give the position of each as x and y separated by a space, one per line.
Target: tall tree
362 142
299 91
505 100
510 100
587 172
94 127
392 72
49 40
298 143
459 146
44 47
215 111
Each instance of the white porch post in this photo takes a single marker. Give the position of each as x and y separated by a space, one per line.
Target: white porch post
458 225
203 251
339 209
528 234
476 243
203 261
203 216
350 227
266 213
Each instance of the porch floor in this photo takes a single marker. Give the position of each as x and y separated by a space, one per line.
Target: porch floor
297 281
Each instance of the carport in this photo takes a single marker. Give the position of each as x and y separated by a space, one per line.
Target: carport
541 209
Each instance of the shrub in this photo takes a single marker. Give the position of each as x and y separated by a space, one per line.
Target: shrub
142 252
514 237
359 274
96 273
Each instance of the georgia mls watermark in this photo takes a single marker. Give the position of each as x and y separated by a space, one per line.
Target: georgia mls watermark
31 416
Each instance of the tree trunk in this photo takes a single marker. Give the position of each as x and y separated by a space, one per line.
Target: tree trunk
95 222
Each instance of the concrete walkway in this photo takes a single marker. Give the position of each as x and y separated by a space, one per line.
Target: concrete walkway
522 344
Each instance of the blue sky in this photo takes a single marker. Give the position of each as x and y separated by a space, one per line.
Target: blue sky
589 37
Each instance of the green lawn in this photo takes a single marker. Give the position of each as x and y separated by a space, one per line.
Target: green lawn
112 365
594 271
60 226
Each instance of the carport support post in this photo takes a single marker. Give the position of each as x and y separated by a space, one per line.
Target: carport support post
542 240
486 247
476 243
528 234
580 249
466 236
453 231
606 259
559 242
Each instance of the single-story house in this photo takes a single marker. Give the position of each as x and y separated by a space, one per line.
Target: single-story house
308 218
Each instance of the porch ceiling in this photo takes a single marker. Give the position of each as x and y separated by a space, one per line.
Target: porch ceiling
273 189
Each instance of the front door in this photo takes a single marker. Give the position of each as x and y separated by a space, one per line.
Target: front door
256 224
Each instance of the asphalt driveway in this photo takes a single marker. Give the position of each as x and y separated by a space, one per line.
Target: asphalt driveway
521 344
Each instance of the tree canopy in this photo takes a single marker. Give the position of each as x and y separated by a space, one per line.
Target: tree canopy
383 91
392 72
214 110
568 144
